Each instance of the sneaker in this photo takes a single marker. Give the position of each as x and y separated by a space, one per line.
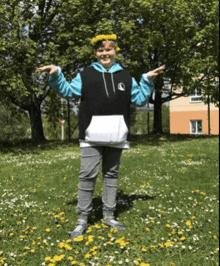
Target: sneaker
114 224
80 229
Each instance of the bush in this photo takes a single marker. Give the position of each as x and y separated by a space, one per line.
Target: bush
14 124
140 123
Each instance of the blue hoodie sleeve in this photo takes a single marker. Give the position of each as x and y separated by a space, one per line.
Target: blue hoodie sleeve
141 93
65 89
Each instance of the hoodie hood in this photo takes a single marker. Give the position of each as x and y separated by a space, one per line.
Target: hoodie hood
115 68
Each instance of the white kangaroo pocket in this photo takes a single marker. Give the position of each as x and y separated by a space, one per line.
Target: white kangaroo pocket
107 129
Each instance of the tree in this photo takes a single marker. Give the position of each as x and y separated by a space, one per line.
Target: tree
13 122
151 33
28 32
181 34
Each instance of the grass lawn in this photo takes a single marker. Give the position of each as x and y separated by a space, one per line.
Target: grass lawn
168 199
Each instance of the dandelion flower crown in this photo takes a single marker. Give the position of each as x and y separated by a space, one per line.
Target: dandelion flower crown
102 37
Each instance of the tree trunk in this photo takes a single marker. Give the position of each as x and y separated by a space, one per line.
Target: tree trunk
157 128
37 133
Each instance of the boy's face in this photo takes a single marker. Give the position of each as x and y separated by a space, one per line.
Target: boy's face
106 54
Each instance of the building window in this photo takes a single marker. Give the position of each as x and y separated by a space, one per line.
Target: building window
196 97
196 127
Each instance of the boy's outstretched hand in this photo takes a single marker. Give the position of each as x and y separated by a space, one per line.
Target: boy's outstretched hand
50 69
157 71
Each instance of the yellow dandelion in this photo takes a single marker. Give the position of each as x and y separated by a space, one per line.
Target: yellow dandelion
104 226
97 226
87 256
94 248
188 223
147 229
58 258
144 249
89 230
78 239
90 238
61 245
67 247
173 232
103 37
47 230
169 243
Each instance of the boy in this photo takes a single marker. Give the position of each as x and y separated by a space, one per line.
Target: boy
106 91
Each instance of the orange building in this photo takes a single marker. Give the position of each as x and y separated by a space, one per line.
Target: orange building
189 115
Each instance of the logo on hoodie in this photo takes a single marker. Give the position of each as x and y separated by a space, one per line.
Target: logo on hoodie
121 86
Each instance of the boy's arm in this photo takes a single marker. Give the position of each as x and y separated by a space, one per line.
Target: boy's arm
141 93
65 89
58 82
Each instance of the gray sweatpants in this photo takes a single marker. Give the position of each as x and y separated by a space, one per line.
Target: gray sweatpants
90 162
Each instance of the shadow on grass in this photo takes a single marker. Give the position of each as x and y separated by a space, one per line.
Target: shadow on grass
26 146
159 139
125 202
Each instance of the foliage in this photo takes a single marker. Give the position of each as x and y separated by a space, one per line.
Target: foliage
140 125
168 200
181 34
13 123
28 31
166 119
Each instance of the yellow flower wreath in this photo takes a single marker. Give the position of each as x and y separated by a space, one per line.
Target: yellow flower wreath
112 37
98 38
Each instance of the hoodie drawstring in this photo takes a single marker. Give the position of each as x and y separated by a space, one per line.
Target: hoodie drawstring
113 83
103 74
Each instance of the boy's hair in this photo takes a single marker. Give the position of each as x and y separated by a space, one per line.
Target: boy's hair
100 41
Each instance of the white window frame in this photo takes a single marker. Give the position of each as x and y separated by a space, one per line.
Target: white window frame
197 127
196 97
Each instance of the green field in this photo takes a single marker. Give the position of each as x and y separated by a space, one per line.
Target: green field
168 200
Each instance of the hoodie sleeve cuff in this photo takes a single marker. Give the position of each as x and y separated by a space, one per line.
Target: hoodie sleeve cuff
147 76
55 75
57 72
